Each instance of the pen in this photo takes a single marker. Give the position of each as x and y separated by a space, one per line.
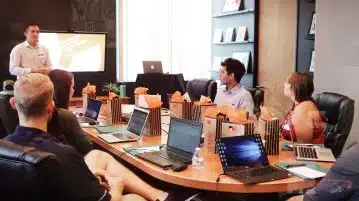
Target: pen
295 165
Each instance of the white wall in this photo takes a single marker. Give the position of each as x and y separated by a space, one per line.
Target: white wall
337 52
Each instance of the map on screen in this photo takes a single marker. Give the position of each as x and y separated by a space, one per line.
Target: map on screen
75 52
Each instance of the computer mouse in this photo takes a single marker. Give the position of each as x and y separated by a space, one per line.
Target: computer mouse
92 123
178 167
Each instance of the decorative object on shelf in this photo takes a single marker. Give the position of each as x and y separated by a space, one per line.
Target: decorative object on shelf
311 32
243 57
218 36
242 34
232 5
230 34
233 13
312 62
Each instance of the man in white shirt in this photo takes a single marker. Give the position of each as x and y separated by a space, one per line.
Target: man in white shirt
29 56
233 94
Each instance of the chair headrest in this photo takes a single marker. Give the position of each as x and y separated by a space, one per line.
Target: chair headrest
8 85
30 155
332 103
198 87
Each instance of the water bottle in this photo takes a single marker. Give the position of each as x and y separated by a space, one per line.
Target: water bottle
122 90
197 159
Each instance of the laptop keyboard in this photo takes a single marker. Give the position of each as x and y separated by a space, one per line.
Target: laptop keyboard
306 152
171 156
124 135
252 172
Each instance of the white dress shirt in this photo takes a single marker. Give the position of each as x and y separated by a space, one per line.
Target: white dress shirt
23 58
238 97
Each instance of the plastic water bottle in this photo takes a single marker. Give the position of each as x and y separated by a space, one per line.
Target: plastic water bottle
197 159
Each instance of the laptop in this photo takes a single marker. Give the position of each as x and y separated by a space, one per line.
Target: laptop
92 111
311 152
132 132
152 67
183 138
243 158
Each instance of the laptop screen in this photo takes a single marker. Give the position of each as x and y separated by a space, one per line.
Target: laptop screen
184 135
242 151
137 121
93 109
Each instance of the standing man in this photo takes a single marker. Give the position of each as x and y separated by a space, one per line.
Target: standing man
29 56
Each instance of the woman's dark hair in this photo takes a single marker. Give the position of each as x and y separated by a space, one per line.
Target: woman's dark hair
62 84
302 86
234 66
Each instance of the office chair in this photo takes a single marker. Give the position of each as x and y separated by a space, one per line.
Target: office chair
24 172
8 116
338 111
198 87
258 99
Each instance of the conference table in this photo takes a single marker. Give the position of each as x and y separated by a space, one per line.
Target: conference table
204 178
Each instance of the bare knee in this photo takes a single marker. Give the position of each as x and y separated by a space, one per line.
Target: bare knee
297 198
97 159
133 197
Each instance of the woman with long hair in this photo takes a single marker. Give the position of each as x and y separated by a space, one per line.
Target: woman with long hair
304 121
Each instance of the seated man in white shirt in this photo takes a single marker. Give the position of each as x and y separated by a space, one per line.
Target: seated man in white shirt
29 56
233 93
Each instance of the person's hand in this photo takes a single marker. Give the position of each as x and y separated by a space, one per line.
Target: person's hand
102 178
116 184
43 70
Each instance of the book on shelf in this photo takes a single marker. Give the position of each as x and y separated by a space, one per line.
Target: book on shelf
312 62
217 63
243 57
232 5
230 33
242 34
218 36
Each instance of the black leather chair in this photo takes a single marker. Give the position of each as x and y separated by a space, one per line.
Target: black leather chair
8 116
258 99
24 173
338 110
198 87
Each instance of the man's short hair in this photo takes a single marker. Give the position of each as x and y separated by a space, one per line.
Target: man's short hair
234 66
33 92
27 26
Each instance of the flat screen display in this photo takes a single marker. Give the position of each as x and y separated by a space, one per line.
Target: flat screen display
75 52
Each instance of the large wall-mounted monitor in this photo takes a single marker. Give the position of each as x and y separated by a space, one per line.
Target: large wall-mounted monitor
75 51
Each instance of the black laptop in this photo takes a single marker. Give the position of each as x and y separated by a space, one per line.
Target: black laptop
243 158
92 111
183 138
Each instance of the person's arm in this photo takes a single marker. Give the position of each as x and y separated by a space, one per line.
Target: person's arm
302 120
73 132
15 60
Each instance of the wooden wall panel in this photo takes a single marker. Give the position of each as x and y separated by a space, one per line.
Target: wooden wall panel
276 50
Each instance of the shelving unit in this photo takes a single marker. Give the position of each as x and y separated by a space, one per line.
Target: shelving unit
305 44
248 17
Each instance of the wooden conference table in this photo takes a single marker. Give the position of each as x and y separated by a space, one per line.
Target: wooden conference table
204 178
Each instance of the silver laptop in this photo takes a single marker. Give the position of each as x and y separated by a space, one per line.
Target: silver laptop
152 67
132 132
311 152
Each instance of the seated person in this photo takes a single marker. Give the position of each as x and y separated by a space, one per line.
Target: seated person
234 94
64 124
33 99
342 181
303 122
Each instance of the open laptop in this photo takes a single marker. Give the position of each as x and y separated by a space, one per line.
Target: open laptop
243 158
183 138
152 67
132 132
92 111
311 152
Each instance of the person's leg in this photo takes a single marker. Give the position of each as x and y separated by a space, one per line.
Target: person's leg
132 197
133 184
297 198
